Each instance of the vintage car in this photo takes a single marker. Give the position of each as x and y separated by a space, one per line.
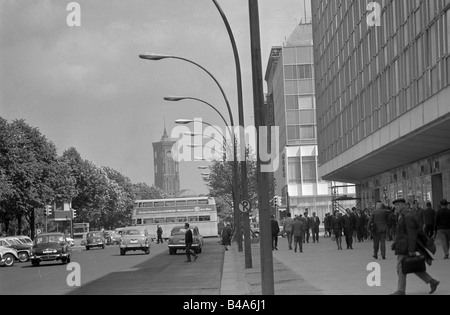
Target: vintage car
112 238
24 239
50 247
23 251
95 239
7 256
176 239
135 238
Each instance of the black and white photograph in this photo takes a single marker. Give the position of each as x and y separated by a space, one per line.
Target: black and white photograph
225 151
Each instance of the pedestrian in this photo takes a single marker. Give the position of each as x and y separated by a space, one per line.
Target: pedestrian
442 226
337 228
428 220
392 224
275 231
359 224
298 230
226 235
307 227
287 228
347 223
405 245
418 211
188 241
315 225
327 225
159 232
379 218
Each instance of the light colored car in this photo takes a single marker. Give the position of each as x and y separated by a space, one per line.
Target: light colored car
177 241
7 256
23 251
135 238
71 241
24 240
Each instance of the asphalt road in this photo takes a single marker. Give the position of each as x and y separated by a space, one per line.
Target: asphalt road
104 271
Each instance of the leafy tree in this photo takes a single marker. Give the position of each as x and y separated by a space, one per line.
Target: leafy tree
143 191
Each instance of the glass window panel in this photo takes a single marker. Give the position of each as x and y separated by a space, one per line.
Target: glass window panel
305 102
292 102
304 55
289 55
309 169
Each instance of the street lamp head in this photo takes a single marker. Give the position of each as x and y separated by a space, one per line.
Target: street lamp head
174 98
183 121
153 56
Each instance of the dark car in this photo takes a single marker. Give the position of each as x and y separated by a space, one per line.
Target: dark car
176 240
50 247
95 239
23 250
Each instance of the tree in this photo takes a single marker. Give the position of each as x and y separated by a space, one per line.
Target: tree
143 191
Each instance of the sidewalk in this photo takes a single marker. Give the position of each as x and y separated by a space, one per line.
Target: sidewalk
323 270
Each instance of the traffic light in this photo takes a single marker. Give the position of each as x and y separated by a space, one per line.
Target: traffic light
275 201
279 201
48 210
74 213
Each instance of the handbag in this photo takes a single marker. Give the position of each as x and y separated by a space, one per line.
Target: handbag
414 264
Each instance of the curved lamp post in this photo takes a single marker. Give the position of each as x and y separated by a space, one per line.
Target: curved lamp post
157 57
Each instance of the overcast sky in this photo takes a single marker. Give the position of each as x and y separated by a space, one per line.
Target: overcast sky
86 87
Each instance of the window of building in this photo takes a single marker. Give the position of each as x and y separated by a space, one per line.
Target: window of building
294 170
309 169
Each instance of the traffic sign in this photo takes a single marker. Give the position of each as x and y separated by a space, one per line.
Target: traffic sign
245 206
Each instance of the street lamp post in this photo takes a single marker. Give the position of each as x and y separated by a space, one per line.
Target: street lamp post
246 216
267 278
157 57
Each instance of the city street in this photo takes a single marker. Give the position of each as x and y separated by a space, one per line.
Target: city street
104 271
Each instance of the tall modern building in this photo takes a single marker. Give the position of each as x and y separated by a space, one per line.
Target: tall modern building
291 99
383 97
167 176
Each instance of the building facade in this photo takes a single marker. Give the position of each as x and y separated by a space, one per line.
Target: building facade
382 92
291 97
167 176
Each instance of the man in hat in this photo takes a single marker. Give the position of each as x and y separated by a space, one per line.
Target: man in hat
442 226
405 245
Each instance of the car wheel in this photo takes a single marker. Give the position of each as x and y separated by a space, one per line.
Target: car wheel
64 261
9 260
122 252
200 250
103 246
35 263
147 251
88 248
23 256
170 251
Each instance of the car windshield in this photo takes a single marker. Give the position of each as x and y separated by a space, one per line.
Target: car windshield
133 232
49 239
14 241
94 234
178 231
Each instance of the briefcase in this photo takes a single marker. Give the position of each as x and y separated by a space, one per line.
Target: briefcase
413 264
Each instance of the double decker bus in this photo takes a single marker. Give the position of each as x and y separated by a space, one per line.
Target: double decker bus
167 213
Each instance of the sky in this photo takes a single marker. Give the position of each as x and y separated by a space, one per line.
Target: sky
85 86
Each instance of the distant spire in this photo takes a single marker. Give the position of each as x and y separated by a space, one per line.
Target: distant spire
165 136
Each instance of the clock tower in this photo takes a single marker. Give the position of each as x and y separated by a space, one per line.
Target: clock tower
167 176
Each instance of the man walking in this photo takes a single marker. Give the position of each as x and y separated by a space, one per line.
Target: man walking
315 224
380 218
298 230
287 228
188 240
307 227
275 231
428 219
418 211
159 232
226 235
347 222
443 226
405 245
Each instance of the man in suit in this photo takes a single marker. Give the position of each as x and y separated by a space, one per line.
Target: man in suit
348 223
379 217
315 224
307 227
418 211
287 228
188 240
298 231
442 226
405 245
428 220
275 231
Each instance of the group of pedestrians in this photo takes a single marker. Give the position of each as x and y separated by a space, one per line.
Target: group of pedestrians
298 230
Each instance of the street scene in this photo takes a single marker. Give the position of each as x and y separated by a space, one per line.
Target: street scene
236 149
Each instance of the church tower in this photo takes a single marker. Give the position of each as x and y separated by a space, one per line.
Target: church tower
167 176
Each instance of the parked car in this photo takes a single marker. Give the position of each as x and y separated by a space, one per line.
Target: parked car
23 251
95 239
7 256
24 240
135 238
177 241
50 247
